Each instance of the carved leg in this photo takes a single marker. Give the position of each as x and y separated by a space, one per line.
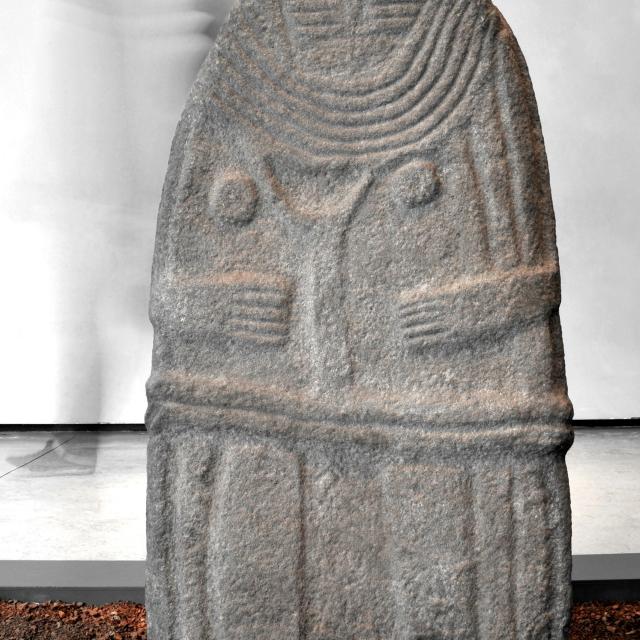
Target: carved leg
347 585
494 548
431 514
256 545
178 512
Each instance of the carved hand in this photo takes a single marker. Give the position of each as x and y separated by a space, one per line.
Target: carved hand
468 308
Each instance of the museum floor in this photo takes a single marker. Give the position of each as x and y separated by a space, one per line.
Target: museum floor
62 621
85 499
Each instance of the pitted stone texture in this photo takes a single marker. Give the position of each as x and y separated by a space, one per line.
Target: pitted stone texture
358 407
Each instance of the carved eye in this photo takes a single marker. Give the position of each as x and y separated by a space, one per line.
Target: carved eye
234 198
416 183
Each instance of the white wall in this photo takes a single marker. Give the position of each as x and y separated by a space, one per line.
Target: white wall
90 92
583 56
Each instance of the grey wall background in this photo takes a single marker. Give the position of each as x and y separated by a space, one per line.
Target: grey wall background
90 93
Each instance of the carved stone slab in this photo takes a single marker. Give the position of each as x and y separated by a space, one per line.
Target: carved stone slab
358 409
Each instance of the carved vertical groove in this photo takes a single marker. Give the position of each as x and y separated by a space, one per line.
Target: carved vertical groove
532 554
494 551
479 231
470 533
560 545
214 550
328 328
493 169
158 537
504 182
195 466
520 150
302 554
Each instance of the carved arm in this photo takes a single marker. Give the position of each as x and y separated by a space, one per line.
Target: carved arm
246 306
487 304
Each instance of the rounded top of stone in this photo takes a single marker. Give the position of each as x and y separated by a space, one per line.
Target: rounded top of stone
363 77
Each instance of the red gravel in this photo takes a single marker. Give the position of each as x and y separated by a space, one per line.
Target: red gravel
126 621
64 621
595 621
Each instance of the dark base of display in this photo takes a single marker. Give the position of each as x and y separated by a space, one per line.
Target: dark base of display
583 591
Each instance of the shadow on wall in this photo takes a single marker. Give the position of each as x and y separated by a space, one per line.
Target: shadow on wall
107 81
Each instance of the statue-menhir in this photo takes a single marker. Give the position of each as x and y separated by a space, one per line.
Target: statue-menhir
358 410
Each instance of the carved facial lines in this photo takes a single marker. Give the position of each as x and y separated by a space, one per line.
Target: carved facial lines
235 195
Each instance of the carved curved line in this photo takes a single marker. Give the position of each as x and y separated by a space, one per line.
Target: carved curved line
377 22
173 192
306 153
374 85
318 29
365 82
344 206
412 298
321 146
382 87
383 75
417 108
384 9
235 110
292 122
312 9
391 112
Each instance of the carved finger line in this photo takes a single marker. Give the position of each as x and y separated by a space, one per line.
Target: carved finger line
421 321
253 312
260 298
260 339
423 332
410 308
259 327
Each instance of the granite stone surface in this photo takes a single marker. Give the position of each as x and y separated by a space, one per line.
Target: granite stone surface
358 409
